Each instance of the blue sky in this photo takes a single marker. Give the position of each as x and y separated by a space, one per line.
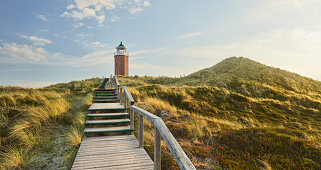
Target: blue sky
46 42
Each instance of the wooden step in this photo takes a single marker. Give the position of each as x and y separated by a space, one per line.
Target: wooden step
106 106
106 97
105 94
111 121
106 114
105 100
105 89
108 129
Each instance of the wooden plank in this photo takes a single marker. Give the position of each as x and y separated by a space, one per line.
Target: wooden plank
105 94
108 129
114 163
105 106
103 150
106 114
105 97
105 100
124 153
109 138
105 158
110 121
108 152
120 152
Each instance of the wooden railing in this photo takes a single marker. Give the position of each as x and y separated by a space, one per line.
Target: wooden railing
160 129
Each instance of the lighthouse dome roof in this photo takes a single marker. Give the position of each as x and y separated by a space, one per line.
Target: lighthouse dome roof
121 46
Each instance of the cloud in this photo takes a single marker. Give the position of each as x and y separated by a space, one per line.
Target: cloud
189 35
146 3
71 6
37 40
78 25
114 18
11 52
85 13
102 57
135 10
101 9
22 53
134 53
42 17
94 45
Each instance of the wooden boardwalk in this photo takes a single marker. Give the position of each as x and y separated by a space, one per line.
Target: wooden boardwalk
113 148
112 152
110 144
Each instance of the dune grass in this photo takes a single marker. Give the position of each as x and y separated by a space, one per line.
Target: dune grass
238 114
267 127
36 124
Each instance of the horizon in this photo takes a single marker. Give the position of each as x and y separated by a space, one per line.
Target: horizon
26 84
43 43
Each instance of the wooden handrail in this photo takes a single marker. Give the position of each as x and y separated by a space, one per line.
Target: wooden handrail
128 95
181 158
161 129
116 81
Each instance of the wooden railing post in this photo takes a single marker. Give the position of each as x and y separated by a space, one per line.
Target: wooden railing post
141 131
121 96
124 99
118 93
132 122
157 150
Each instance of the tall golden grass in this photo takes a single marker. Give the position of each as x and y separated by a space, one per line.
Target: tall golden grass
29 119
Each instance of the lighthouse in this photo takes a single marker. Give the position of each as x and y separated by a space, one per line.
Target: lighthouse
121 60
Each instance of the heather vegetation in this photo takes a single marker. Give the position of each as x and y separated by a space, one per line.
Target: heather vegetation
237 114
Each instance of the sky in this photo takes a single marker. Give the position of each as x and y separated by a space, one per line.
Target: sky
48 42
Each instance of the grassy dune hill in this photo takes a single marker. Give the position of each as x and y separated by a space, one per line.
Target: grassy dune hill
237 114
232 72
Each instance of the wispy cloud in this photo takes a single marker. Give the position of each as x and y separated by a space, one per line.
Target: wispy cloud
93 45
101 9
37 40
42 17
11 52
134 53
78 25
146 3
189 35
22 53
135 10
